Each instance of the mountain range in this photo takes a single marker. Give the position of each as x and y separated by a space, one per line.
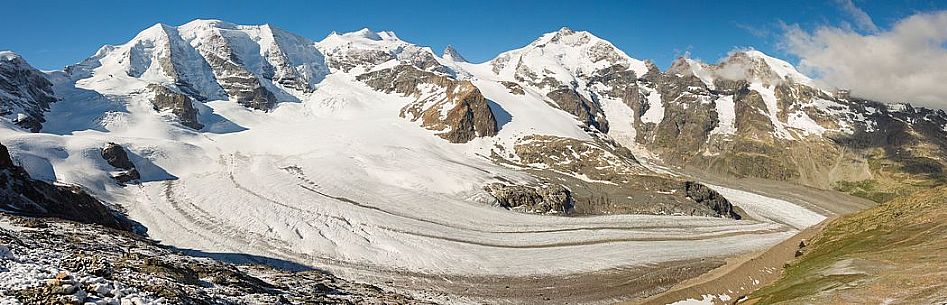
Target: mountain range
360 150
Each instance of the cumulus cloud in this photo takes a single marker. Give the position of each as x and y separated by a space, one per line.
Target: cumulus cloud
907 63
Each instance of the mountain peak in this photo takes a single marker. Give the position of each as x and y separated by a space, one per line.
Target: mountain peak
562 55
9 56
209 23
153 32
451 54
364 33
755 64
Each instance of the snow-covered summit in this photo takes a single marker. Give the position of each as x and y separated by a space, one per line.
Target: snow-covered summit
749 65
365 50
563 55
362 39
366 33
451 54
754 65
8 56
256 65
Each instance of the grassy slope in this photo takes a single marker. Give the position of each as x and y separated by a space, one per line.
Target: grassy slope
895 178
896 252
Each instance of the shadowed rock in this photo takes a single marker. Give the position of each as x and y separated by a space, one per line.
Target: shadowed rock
20 194
116 156
178 103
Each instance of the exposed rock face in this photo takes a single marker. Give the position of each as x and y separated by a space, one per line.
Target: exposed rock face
295 61
455 109
585 110
163 46
542 199
603 178
365 49
25 93
239 83
57 262
22 195
618 82
178 103
116 156
755 116
710 198
514 88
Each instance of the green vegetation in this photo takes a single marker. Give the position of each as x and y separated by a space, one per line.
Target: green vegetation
865 189
895 177
897 247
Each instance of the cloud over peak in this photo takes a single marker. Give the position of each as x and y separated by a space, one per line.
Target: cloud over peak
907 63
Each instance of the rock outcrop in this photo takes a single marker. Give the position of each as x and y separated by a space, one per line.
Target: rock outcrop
584 109
25 93
239 83
603 178
20 194
179 104
454 108
710 198
451 54
541 199
117 157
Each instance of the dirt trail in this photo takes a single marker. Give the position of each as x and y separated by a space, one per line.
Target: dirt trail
598 287
740 276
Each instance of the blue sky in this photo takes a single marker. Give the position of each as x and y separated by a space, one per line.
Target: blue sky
52 34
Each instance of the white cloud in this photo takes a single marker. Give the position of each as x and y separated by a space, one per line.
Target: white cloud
907 63
862 20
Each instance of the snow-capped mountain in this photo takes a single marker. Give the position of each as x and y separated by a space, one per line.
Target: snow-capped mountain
754 115
25 93
256 66
451 54
378 157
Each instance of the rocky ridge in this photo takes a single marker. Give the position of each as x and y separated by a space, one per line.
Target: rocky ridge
755 116
25 93
49 261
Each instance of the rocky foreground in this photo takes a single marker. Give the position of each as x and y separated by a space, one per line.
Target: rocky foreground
50 261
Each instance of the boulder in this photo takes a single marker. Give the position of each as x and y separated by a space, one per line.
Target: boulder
116 156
